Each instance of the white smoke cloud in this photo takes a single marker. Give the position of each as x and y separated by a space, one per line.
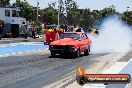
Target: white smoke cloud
115 36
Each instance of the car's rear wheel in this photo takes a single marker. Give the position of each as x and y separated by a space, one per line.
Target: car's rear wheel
87 52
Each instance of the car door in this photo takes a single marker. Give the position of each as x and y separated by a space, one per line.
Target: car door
85 41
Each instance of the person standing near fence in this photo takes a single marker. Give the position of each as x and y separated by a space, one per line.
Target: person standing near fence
1 28
33 32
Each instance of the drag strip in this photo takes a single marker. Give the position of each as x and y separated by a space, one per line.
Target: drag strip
38 69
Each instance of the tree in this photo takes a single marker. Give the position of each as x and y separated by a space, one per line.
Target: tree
27 11
127 17
107 12
87 19
99 16
71 12
4 2
49 14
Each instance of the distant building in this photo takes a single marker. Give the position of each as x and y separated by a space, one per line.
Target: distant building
12 22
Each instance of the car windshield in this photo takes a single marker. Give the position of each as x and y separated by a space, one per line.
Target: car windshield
68 35
52 26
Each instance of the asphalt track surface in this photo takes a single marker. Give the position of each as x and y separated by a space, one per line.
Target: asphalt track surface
38 69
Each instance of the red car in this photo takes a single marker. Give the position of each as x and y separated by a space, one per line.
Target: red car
71 43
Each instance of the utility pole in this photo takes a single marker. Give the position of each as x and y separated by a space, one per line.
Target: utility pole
59 13
66 2
127 9
37 9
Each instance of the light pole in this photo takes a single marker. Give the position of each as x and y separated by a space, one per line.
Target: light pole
37 9
59 13
66 12
127 9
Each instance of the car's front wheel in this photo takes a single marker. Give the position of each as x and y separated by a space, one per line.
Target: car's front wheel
45 43
87 52
77 53
52 54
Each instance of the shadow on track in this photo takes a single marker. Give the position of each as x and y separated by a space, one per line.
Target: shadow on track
65 56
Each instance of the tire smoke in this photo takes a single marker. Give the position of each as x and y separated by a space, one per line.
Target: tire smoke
115 36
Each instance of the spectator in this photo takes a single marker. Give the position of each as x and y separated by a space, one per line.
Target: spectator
1 28
33 32
78 30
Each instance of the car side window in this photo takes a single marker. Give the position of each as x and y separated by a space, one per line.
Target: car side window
86 36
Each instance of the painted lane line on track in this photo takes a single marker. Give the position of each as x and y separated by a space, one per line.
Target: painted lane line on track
13 53
12 45
27 51
2 46
7 54
19 53
20 48
6 45
127 86
1 55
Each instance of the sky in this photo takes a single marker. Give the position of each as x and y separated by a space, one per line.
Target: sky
120 5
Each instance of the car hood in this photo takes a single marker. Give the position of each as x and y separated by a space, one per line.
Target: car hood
65 41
